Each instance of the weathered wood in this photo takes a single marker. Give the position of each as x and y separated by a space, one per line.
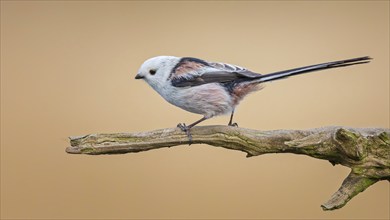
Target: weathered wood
365 150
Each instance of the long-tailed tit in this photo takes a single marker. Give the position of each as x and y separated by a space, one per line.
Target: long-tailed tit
211 88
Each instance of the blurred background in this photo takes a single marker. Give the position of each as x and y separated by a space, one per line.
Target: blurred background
68 67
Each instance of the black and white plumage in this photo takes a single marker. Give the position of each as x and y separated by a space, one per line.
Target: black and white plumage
212 88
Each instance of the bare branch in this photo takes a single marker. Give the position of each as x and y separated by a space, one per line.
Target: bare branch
351 186
365 150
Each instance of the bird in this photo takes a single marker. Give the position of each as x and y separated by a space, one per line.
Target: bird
214 88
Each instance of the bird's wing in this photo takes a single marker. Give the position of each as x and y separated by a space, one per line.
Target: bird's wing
194 72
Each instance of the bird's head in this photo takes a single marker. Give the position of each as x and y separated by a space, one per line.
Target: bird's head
156 70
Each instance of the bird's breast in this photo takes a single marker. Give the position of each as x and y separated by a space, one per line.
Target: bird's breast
209 99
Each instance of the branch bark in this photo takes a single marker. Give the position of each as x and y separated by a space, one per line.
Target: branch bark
365 150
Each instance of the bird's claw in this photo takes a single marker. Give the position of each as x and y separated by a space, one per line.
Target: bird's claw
186 129
233 124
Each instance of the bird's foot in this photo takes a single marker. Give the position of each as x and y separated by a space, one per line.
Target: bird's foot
233 124
186 129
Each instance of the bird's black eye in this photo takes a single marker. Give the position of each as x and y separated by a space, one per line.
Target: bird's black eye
152 72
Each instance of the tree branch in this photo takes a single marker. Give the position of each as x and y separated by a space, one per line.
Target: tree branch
365 150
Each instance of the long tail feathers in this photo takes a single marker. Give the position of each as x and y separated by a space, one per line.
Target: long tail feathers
312 68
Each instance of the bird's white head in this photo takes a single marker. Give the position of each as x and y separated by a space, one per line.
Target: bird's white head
156 70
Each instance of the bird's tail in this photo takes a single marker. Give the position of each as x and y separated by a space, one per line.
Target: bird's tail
312 68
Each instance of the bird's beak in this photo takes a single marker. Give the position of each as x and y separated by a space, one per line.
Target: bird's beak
138 76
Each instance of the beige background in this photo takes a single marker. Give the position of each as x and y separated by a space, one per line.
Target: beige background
67 68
